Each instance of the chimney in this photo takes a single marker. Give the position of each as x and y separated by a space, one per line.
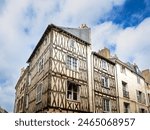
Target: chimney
82 26
105 53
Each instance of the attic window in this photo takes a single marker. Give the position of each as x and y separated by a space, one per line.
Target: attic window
104 65
72 43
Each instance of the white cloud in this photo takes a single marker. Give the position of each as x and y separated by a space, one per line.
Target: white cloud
131 43
76 12
22 24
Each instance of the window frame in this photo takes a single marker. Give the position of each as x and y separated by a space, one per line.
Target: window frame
27 101
122 69
41 65
104 64
125 89
39 93
106 105
128 109
72 43
72 63
72 91
106 82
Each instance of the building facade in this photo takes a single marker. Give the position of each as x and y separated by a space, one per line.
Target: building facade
57 74
131 88
64 75
21 91
104 86
146 75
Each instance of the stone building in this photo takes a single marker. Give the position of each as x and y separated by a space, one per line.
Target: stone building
21 100
131 88
146 75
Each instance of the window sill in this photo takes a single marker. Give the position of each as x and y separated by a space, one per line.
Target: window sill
106 87
71 100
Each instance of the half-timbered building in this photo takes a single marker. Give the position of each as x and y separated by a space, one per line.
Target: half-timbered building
58 72
104 86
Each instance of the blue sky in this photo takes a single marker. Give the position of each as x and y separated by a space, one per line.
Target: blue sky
121 25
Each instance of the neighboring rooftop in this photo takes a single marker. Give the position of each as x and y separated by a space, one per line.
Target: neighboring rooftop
2 110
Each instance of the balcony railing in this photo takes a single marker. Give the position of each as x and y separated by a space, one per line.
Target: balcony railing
125 94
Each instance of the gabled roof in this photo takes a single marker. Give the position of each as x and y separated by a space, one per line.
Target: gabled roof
60 29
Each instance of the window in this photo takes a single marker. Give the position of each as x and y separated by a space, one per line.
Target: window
141 110
27 101
105 82
123 70
149 98
126 107
39 93
72 43
41 65
72 63
106 105
104 64
18 105
141 97
138 79
29 79
125 91
72 91
21 103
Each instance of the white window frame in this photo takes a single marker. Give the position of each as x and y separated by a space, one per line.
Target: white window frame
106 81
39 93
70 92
106 105
104 64
72 63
